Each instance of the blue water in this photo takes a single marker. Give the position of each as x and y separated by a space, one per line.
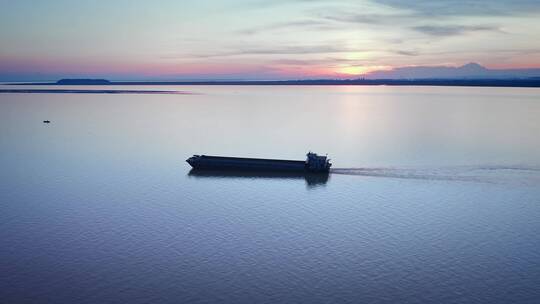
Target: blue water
434 197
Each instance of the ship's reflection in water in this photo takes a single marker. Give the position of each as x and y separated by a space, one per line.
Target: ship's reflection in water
313 180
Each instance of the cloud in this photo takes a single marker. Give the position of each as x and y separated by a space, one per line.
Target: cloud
465 7
263 4
327 61
330 48
286 50
411 20
302 24
451 30
296 62
409 12
406 53
361 18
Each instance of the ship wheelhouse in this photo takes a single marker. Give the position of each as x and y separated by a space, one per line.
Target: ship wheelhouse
317 163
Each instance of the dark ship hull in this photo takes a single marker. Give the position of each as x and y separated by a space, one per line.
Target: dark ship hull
313 164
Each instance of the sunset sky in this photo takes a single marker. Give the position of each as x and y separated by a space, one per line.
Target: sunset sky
260 39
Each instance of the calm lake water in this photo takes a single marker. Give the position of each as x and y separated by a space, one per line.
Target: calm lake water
434 197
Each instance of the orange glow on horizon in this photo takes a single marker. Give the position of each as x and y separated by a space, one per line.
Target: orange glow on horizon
361 70
116 68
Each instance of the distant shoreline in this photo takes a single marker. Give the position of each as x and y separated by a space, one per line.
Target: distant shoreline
526 82
75 91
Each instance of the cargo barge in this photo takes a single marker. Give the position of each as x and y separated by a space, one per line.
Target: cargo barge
313 164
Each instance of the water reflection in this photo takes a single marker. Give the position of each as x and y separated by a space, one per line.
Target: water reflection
313 180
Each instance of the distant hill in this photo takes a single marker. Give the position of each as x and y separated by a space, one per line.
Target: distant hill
471 74
468 71
68 81
533 82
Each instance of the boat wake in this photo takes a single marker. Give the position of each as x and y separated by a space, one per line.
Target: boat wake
485 174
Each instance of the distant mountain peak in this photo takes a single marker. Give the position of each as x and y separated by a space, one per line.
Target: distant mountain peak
473 66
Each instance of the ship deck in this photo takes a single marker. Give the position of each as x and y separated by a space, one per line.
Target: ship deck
257 160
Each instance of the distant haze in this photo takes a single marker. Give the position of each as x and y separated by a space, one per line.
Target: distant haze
468 71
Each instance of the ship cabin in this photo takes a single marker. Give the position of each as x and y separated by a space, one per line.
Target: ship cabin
316 163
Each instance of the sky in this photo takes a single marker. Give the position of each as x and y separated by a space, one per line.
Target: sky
260 39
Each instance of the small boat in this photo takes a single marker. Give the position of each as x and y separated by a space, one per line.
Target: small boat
313 163
46 121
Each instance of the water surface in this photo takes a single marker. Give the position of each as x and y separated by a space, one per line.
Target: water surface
434 197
